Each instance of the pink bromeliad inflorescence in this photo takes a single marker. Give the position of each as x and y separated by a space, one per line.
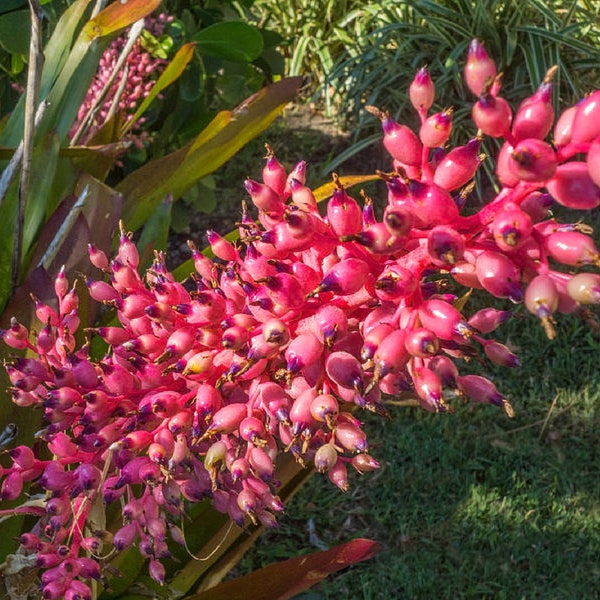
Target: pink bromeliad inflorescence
307 317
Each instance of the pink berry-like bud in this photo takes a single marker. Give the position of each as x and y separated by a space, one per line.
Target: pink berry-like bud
429 390
422 90
533 160
326 458
344 213
487 320
480 69
564 126
492 115
263 196
499 275
351 438
586 121
585 288
344 369
459 166
399 140
421 342
593 161
442 319
344 278
338 475
572 248
535 115
573 187
499 354
482 390
445 369
273 173
436 129
445 245
511 228
541 299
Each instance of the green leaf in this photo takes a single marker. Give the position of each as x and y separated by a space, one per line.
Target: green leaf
155 233
8 5
231 40
172 72
14 32
283 580
176 172
43 168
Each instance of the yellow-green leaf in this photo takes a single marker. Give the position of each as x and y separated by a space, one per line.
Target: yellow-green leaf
171 74
118 15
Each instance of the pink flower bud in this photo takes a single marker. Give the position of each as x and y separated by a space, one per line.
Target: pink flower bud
442 319
535 115
541 299
480 69
263 197
492 115
487 320
345 370
228 419
572 248
422 90
157 571
395 282
585 288
459 166
533 160
344 278
511 228
391 355
421 342
429 389
586 121
436 129
302 351
325 409
445 245
482 390
364 463
445 369
399 140
564 126
12 486
572 186
499 354
338 475
593 161
98 257
221 247
326 458
351 438
274 174
499 275
343 213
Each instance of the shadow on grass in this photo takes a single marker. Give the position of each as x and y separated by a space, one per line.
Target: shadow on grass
474 505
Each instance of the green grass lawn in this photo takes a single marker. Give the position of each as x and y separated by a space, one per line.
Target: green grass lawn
473 504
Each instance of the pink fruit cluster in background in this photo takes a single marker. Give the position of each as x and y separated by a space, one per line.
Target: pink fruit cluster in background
311 314
123 92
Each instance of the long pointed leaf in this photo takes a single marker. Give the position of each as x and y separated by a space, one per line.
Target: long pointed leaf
176 172
171 74
283 580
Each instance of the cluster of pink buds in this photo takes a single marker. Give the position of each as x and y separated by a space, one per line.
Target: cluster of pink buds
122 92
312 314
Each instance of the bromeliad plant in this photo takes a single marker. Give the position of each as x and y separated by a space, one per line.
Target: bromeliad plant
272 347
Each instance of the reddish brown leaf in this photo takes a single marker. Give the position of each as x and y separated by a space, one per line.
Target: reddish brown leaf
286 579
